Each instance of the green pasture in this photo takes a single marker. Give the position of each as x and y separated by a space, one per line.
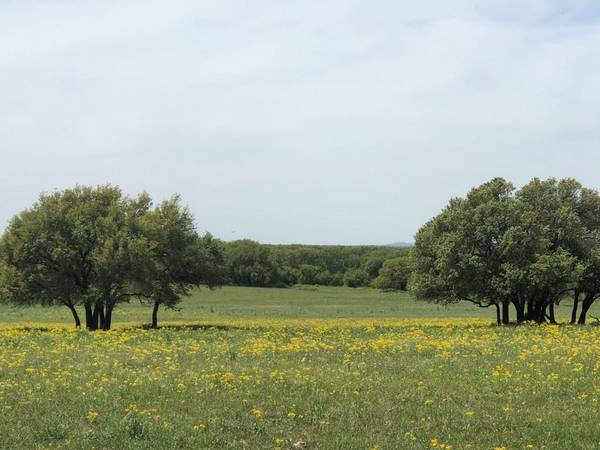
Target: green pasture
265 303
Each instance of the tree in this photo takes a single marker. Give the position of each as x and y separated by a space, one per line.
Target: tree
356 278
394 274
548 249
251 264
177 258
308 274
589 284
289 275
496 247
457 255
327 278
588 210
373 266
77 247
332 261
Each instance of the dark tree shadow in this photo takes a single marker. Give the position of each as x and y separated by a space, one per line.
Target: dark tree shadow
186 327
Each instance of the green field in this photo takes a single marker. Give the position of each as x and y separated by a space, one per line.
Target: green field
261 303
303 368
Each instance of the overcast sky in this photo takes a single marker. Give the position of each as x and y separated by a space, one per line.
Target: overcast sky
329 121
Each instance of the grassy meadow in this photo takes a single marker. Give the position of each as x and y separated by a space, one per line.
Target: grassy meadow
302 368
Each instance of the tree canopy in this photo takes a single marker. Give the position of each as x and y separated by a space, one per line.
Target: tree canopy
95 248
499 247
176 258
394 274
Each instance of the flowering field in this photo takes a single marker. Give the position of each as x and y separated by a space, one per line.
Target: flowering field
302 383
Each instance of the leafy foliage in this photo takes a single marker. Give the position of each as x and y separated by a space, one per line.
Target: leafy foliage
75 247
497 247
356 278
96 248
177 259
252 264
394 274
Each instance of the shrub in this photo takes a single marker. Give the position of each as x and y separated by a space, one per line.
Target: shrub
356 278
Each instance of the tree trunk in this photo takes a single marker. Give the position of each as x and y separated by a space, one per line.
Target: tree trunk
505 313
587 303
75 316
583 315
539 312
575 307
551 315
89 318
108 317
155 315
498 317
95 324
530 314
520 309
101 317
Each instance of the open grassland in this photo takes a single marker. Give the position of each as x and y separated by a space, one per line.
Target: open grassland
319 369
243 304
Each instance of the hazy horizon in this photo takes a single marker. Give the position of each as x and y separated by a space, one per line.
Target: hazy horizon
342 122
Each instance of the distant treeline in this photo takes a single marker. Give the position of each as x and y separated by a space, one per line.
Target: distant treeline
249 263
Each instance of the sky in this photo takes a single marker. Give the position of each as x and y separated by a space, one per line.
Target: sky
321 122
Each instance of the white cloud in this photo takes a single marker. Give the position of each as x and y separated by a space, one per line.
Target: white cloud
295 119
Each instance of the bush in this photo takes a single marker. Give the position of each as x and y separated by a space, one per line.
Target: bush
289 276
373 266
308 274
394 274
356 278
251 264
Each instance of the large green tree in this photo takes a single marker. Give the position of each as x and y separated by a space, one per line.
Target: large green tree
457 255
76 247
176 258
542 250
529 248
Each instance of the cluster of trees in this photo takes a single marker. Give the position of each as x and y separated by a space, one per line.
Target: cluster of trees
529 248
95 248
252 264
92 249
